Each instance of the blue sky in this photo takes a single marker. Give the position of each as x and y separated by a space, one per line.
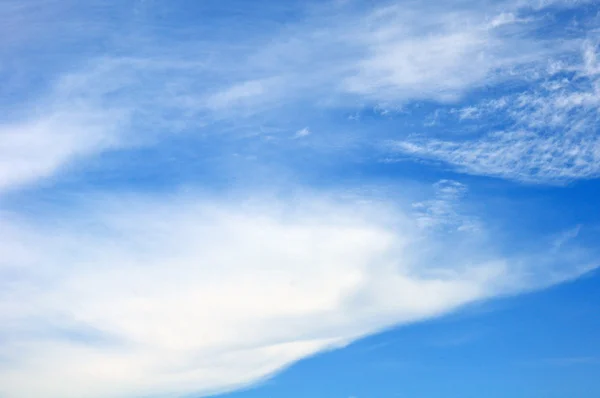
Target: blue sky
294 198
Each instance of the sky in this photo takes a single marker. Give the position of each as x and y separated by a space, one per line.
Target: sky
325 199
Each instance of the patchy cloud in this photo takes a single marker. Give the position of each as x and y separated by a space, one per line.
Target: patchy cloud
302 133
152 294
443 211
383 55
551 134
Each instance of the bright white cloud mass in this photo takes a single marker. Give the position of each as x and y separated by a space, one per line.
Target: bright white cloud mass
133 289
170 296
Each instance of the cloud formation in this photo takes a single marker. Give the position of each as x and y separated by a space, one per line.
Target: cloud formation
551 133
153 84
170 296
159 295
443 211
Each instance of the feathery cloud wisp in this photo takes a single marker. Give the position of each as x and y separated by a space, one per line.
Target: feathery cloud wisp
551 135
380 55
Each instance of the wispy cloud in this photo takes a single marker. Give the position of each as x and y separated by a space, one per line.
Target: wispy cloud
380 55
551 135
168 294
443 211
185 294
441 57
39 146
302 133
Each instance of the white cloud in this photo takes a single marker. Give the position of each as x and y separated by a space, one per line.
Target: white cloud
338 55
129 296
238 94
518 155
440 57
567 236
551 134
401 52
35 149
443 211
302 133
